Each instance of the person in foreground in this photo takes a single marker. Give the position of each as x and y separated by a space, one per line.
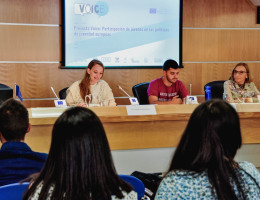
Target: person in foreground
80 164
91 87
17 160
167 89
240 85
203 166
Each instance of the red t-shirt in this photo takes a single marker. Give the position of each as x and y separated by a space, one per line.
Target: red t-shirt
165 93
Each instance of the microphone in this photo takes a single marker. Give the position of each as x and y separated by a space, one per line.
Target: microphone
59 102
133 100
54 93
123 91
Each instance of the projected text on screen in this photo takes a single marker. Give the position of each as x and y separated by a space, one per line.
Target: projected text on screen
129 33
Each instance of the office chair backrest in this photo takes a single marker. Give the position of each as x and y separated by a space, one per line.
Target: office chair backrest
63 93
140 92
5 93
136 183
217 89
13 191
3 86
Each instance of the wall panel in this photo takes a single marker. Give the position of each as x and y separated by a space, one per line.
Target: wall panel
31 11
35 80
127 78
221 45
30 43
221 13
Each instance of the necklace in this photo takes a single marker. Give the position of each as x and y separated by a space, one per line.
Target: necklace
241 86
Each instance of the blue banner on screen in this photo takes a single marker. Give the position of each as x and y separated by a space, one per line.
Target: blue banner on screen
129 33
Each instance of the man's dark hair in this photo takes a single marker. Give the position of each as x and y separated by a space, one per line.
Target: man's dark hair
14 120
170 64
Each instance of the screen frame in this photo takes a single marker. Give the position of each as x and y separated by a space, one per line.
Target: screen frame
63 66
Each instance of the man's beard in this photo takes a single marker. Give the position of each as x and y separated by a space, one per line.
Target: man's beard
171 80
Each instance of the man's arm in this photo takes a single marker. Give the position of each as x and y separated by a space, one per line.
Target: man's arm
154 100
183 92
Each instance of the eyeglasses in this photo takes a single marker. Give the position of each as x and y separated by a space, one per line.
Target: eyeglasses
239 72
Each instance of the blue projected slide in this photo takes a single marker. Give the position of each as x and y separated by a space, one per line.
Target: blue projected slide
129 33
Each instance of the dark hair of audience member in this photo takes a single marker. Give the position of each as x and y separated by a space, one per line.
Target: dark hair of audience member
79 165
210 142
85 83
13 112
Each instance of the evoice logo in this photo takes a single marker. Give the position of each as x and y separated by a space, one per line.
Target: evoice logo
100 8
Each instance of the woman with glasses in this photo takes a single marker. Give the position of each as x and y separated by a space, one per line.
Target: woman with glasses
240 86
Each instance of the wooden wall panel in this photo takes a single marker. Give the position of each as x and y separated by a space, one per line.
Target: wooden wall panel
30 43
221 45
31 11
35 80
221 13
127 78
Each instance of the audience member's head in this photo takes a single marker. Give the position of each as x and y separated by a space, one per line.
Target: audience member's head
210 142
79 164
14 121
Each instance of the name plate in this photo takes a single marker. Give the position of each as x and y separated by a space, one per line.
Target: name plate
60 103
133 101
191 100
141 110
47 112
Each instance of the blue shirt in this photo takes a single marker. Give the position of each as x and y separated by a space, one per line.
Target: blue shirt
18 161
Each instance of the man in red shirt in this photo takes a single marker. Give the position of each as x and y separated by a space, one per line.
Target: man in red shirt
167 89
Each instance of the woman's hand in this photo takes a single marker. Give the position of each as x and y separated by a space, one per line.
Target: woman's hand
82 105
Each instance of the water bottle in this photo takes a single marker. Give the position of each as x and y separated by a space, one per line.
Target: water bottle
207 93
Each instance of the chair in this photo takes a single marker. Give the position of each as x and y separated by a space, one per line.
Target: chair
13 191
5 93
3 86
62 93
217 89
140 92
136 183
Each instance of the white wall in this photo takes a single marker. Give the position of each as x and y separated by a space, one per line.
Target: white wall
157 160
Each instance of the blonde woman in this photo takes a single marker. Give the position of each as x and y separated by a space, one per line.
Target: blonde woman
91 88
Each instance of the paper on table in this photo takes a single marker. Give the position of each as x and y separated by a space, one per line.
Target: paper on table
141 110
47 112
